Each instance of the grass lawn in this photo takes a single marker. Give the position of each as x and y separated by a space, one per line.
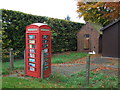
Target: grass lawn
67 57
78 80
17 66
58 58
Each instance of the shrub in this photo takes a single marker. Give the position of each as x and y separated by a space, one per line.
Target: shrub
14 26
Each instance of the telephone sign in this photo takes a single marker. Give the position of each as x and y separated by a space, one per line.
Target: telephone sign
38 50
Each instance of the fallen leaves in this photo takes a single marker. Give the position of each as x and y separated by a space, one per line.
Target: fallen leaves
104 68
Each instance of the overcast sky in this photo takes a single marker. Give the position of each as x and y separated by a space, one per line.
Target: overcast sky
51 8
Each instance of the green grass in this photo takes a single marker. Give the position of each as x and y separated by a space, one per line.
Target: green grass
0 82
56 80
68 57
27 83
17 66
78 80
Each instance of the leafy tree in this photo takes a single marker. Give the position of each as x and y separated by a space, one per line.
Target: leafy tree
99 12
68 18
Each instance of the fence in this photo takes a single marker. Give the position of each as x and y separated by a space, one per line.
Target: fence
10 55
6 55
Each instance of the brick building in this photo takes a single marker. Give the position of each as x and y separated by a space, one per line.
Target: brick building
89 38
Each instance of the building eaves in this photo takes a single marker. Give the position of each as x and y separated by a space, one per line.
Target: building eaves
110 24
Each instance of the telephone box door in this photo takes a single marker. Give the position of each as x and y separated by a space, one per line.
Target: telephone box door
46 49
32 55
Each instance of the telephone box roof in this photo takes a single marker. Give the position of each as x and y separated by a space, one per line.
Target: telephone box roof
38 24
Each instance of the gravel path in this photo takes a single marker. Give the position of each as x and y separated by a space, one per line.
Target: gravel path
101 64
68 69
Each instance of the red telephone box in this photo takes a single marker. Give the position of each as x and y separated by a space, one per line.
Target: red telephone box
38 50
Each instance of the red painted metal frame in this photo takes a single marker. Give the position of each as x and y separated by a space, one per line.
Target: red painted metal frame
38 43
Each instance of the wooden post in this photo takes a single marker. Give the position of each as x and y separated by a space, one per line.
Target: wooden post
88 69
11 59
24 61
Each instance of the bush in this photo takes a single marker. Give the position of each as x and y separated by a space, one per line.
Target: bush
14 27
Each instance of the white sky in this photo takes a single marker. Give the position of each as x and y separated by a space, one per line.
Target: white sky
51 8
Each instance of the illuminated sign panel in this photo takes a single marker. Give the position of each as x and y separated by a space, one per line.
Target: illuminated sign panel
35 29
32 29
45 29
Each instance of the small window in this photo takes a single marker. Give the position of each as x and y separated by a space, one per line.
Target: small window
86 35
45 50
32 50
45 63
31 46
45 46
31 60
32 69
45 68
32 41
31 36
44 41
32 55
45 36
45 54
45 59
32 64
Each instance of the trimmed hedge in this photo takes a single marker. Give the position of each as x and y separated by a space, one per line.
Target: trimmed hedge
14 24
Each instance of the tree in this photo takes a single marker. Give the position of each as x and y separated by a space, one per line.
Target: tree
68 18
99 12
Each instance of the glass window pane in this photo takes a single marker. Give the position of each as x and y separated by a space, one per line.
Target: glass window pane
86 35
45 59
32 41
44 41
45 68
31 60
45 54
32 69
45 63
32 55
45 46
45 50
32 64
45 36
31 46
31 36
32 50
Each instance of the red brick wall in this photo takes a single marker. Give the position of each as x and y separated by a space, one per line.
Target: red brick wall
94 38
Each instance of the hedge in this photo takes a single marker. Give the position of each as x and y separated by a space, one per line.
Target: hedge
15 22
